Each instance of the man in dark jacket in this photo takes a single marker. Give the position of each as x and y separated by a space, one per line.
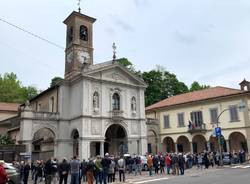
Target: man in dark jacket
105 165
63 171
181 161
48 171
26 171
38 171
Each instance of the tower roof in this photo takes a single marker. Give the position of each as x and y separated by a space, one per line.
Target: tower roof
74 13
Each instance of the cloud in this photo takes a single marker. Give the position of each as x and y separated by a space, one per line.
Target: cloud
140 3
122 24
224 72
184 37
110 31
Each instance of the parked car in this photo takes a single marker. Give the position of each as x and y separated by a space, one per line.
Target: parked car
14 176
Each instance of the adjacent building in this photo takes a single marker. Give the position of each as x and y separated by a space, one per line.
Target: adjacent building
187 121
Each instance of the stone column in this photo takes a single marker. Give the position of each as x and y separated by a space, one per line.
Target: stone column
191 148
143 146
102 149
176 147
84 149
228 146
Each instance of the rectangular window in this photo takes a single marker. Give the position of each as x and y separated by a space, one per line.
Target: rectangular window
234 113
213 115
181 120
166 122
196 118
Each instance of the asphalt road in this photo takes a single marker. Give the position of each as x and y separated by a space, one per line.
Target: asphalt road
221 176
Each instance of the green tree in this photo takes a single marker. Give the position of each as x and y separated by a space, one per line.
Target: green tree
5 139
125 62
161 84
195 86
55 81
11 89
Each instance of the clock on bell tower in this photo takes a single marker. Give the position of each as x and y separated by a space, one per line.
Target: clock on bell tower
79 43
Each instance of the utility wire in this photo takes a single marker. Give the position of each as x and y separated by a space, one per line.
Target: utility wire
32 34
31 57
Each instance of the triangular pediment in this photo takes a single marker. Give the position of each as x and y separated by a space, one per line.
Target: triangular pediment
116 73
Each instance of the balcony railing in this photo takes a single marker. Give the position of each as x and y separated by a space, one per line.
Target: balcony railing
197 129
117 115
40 115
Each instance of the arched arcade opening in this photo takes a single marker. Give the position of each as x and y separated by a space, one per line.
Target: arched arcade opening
43 144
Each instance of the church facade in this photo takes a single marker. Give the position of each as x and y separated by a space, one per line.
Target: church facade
97 108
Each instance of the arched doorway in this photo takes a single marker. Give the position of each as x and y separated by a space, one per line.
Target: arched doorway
183 144
116 142
199 144
152 142
75 137
237 141
43 144
168 144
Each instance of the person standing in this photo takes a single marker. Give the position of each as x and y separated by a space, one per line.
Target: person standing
3 174
150 164
99 170
199 161
181 161
105 165
168 163
206 160
48 171
175 164
83 171
90 171
63 171
38 171
162 164
75 170
156 164
26 171
121 168
111 172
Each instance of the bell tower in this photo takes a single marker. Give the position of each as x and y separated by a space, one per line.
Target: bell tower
79 43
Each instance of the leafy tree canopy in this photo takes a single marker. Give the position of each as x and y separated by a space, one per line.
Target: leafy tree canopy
5 140
11 89
196 86
55 81
161 83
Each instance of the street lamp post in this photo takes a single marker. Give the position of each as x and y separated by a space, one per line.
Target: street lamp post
219 137
242 107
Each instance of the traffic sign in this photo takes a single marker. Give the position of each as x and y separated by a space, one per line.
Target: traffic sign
218 131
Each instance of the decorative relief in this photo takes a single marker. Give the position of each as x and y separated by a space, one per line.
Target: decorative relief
96 127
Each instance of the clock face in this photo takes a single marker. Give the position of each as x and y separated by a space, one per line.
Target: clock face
83 56
69 57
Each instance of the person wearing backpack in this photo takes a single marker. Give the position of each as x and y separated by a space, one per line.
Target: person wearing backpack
121 168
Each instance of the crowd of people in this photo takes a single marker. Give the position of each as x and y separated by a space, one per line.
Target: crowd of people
110 169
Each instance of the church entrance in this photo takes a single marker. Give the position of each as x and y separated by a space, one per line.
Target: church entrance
116 142
43 144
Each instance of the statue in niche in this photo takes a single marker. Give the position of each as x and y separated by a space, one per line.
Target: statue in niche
96 102
133 105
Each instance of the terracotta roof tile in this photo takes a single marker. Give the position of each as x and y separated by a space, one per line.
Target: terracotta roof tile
9 106
205 94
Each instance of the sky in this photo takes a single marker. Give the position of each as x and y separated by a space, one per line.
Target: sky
198 40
